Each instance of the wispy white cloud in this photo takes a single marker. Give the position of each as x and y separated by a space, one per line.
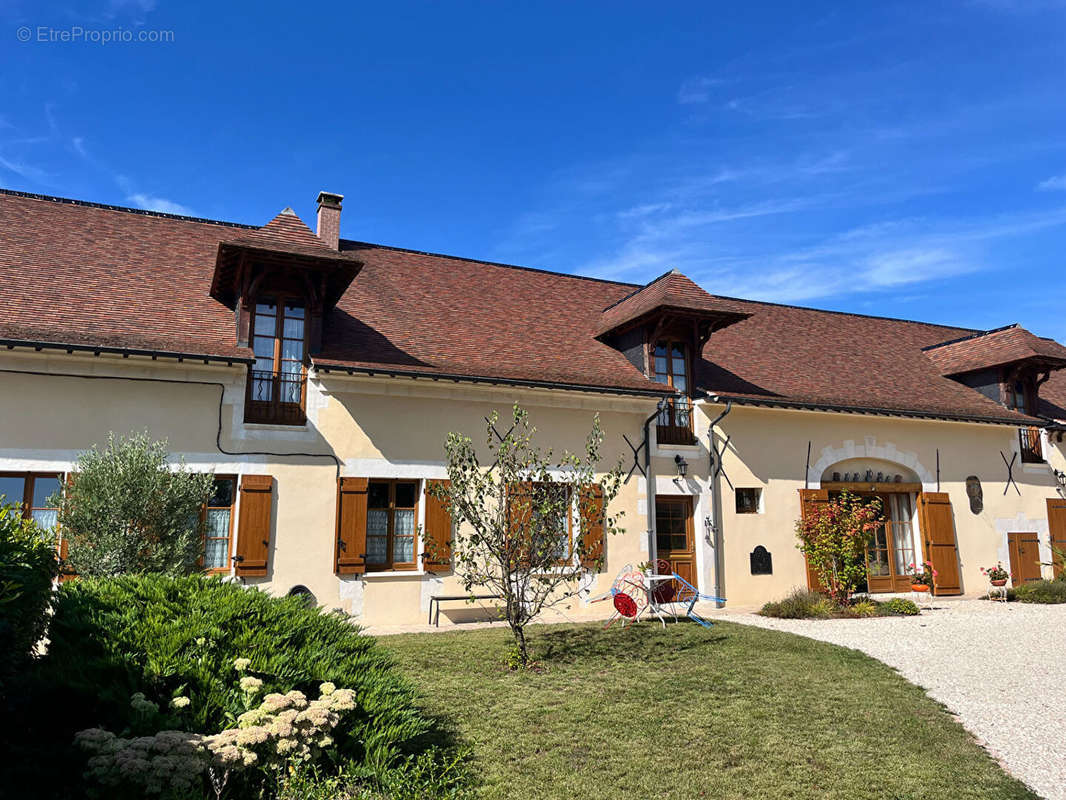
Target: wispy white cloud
1053 184
697 90
24 170
153 203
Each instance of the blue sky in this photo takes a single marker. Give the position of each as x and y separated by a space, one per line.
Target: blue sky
898 159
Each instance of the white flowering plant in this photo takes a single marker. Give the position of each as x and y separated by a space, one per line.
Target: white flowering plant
267 743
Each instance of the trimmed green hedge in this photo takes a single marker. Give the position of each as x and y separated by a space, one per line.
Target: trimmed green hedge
28 566
179 636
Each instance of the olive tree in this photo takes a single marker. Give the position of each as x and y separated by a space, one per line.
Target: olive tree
127 509
528 526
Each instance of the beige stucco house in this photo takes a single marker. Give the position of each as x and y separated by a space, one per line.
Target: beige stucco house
317 378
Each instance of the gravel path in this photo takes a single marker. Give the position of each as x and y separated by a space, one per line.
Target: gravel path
1000 667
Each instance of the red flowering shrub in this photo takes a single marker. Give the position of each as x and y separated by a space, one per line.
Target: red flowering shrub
834 539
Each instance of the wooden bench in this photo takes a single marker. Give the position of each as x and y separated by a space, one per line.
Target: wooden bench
434 619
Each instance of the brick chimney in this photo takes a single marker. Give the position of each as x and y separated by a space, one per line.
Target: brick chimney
329 218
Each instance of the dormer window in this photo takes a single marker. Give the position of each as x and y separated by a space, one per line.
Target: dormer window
277 381
672 367
1017 397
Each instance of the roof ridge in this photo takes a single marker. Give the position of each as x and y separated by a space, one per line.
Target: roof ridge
976 335
490 263
843 313
69 201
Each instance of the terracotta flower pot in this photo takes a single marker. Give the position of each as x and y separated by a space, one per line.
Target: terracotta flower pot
1002 582
919 587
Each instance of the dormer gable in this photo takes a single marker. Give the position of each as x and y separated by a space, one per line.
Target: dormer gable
1008 364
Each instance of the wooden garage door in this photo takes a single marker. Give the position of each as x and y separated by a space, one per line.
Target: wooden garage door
1056 522
941 548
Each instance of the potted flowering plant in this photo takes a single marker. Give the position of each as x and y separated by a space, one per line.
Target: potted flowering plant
921 576
996 575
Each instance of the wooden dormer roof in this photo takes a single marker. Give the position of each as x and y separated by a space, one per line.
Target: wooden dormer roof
284 241
1009 345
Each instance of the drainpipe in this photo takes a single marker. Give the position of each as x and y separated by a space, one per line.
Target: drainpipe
716 499
649 488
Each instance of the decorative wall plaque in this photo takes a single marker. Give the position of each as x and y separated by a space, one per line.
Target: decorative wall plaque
762 562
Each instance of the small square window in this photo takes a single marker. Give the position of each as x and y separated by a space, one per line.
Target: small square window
748 501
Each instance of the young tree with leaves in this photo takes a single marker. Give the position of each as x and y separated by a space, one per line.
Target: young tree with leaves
834 538
127 509
513 532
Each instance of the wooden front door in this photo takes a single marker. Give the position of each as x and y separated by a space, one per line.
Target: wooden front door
675 540
1024 549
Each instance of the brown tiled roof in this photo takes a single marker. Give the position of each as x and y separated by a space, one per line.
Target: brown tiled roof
671 291
783 355
287 233
76 273
423 313
995 348
1053 397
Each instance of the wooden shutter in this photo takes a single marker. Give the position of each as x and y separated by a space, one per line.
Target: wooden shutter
1056 523
590 507
811 502
941 547
253 529
349 553
438 530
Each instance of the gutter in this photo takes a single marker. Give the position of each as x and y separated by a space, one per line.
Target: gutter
875 411
125 352
649 488
447 376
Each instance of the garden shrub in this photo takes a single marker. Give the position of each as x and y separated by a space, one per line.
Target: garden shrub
1041 592
864 608
898 606
28 565
800 604
168 637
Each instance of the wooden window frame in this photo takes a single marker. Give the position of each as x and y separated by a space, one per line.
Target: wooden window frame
758 499
672 432
389 565
26 503
519 488
229 538
274 411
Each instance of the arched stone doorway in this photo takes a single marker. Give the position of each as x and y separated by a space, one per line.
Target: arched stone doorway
895 487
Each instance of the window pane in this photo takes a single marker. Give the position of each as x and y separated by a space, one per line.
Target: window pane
679 366
377 528
377 496
222 493
660 350
678 352
296 312
46 518
266 307
405 495
43 489
263 347
265 325
660 367
216 547
403 549
12 488
293 329
679 381
292 349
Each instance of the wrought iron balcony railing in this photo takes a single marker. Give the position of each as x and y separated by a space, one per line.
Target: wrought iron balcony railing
674 425
1032 450
275 398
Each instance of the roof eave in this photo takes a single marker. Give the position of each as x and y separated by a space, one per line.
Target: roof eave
125 352
804 405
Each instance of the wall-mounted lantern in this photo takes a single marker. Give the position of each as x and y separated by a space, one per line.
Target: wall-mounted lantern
682 466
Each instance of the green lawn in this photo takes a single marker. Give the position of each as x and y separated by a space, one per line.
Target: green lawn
687 713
